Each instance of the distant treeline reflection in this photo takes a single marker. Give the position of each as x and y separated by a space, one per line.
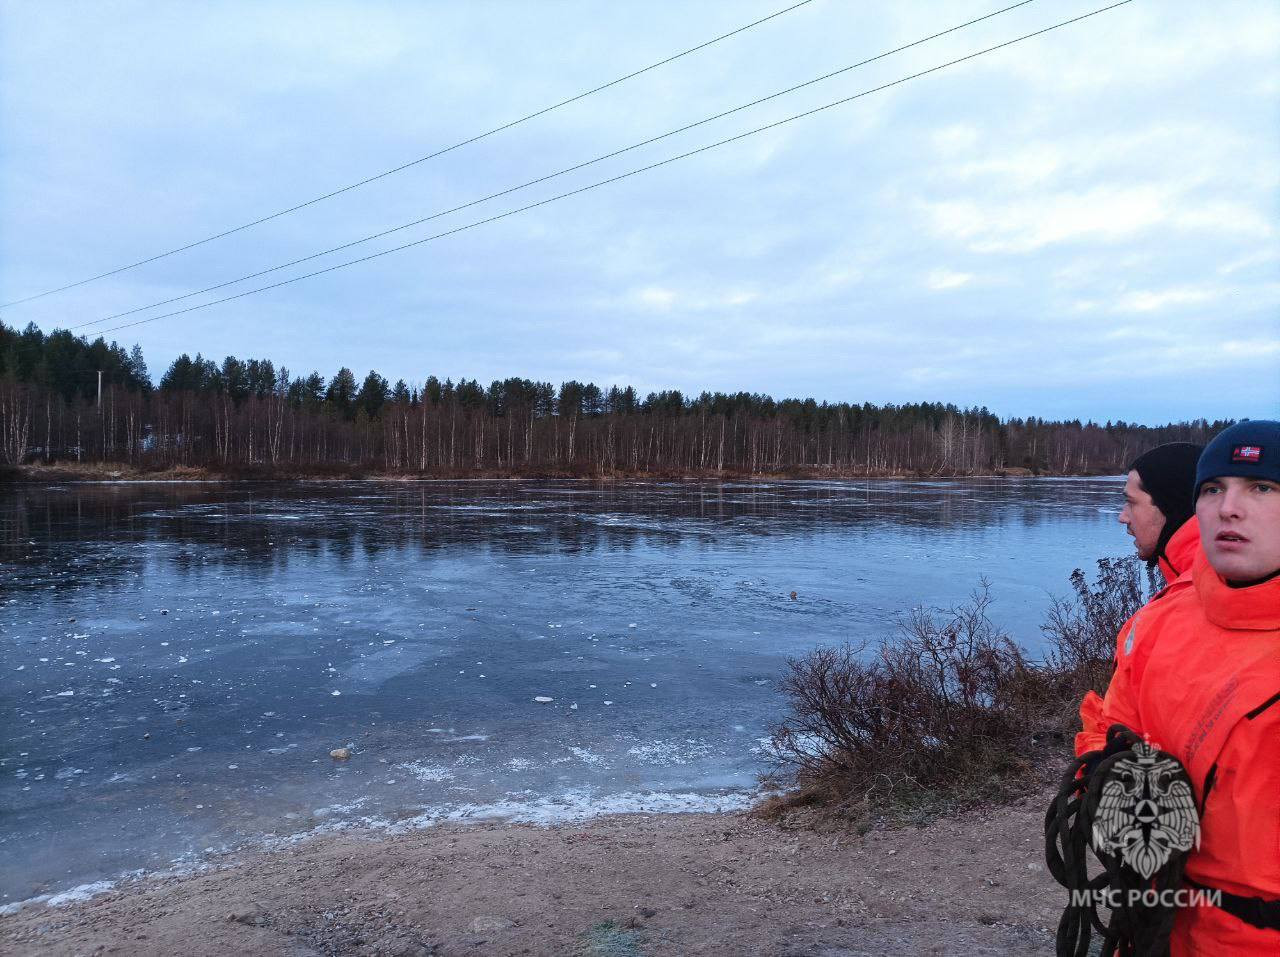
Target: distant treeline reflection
250 413
113 531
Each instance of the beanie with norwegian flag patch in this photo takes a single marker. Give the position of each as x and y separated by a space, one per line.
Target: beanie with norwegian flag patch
1249 449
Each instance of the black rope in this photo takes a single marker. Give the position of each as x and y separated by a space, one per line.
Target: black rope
1134 927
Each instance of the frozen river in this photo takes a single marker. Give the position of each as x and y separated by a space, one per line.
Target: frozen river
179 659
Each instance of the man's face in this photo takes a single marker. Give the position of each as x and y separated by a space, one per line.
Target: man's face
1140 516
1240 526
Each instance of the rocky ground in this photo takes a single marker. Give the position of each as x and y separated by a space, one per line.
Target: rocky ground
624 886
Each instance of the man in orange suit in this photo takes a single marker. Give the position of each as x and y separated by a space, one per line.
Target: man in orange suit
1198 677
1159 514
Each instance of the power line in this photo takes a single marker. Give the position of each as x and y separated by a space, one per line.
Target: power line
411 163
543 179
626 175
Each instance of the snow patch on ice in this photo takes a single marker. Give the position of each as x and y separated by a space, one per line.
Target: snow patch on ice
579 805
588 757
426 772
72 896
686 751
339 809
807 744
81 893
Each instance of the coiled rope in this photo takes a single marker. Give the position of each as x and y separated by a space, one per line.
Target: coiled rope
1106 794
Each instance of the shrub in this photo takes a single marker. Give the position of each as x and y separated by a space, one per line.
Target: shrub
948 712
1082 632
923 719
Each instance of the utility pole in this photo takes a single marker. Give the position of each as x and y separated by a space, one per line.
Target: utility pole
99 388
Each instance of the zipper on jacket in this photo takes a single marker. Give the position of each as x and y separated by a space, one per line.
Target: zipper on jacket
1264 706
1208 786
1212 776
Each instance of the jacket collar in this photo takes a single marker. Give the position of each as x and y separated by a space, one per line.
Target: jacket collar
1256 608
1180 551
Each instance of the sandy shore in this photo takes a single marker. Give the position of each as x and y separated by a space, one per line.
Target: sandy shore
715 884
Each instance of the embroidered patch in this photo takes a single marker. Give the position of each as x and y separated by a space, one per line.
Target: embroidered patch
1251 454
1128 641
1147 811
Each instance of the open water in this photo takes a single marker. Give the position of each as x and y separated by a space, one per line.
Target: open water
180 658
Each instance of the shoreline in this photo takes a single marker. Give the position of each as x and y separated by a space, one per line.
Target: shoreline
547 812
641 883
105 472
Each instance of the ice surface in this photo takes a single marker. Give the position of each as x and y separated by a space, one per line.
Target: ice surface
226 638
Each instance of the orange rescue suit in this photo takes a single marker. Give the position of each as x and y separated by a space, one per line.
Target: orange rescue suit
1198 674
1179 555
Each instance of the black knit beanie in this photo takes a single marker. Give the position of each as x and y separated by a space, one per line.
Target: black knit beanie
1250 449
1168 473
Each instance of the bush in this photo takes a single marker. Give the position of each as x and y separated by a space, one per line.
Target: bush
1082 632
949 712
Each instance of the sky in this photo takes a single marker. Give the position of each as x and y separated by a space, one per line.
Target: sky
1080 225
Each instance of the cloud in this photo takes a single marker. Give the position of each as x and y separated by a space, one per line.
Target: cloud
1153 301
1001 233
656 298
1022 169
1104 214
665 299
955 138
941 279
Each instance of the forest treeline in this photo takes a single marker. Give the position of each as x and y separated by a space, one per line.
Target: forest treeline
251 413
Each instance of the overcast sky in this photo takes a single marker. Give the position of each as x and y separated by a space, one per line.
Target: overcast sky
1081 225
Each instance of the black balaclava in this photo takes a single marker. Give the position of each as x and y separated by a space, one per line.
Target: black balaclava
1168 473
